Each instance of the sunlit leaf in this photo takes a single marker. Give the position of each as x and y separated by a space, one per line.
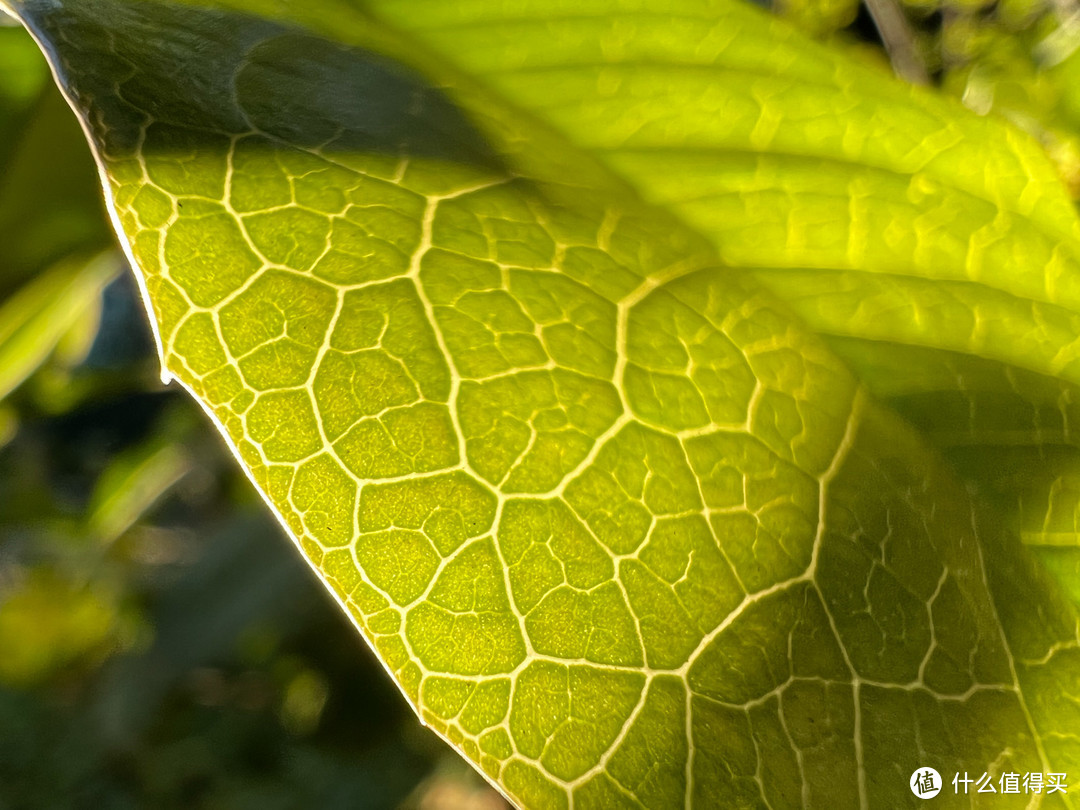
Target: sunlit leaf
624 531
882 213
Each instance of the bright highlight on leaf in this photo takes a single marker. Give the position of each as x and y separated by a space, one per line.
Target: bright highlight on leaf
623 529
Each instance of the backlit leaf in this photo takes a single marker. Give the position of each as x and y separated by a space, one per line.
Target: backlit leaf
624 531
881 213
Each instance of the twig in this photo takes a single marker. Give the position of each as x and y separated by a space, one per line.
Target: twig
899 40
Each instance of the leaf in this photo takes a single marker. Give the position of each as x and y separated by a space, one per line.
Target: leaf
1009 430
794 163
48 623
131 485
623 530
25 74
879 212
38 317
50 207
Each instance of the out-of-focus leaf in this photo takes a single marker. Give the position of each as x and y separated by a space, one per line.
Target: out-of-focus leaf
50 206
819 16
75 344
9 423
132 484
48 622
36 319
39 316
1064 563
305 699
23 76
1067 75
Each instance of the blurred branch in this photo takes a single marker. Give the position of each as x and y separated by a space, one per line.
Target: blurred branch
899 40
1063 41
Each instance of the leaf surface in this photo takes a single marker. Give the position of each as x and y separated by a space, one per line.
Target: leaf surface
859 199
623 530
879 212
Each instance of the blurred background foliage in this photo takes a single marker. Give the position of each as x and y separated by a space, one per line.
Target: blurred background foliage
161 643
1019 59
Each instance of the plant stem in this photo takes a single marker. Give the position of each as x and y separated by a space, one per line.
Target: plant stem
899 40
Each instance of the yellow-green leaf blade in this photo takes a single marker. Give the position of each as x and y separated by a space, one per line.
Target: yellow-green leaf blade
593 501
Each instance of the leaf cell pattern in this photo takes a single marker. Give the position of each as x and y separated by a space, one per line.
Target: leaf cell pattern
623 532
860 201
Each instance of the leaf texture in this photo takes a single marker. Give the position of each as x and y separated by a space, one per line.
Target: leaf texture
624 531
881 213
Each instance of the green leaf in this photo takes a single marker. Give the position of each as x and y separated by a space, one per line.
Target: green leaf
131 485
25 74
38 317
50 208
860 200
624 531
878 211
1009 431
48 623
